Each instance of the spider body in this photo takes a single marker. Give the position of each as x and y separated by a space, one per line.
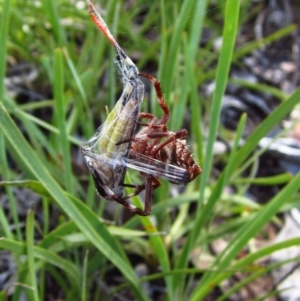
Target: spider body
156 142
172 150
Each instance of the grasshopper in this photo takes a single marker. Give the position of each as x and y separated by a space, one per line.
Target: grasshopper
107 171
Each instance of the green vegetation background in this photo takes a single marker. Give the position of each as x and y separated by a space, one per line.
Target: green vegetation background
60 41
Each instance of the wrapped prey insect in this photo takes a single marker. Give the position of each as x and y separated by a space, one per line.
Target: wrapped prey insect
107 170
154 151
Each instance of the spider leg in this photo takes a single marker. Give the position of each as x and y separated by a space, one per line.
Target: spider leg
146 132
160 97
140 188
143 123
144 136
152 183
146 115
172 136
155 146
152 118
161 127
137 189
153 121
129 206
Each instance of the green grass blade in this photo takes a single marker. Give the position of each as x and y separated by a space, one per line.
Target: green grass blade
267 125
27 155
44 125
4 23
30 256
45 255
3 38
190 57
84 278
249 47
256 272
272 180
50 8
207 211
263 88
245 233
156 243
229 35
195 133
181 21
81 102
61 119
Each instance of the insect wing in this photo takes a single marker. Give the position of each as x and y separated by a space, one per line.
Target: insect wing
143 164
156 168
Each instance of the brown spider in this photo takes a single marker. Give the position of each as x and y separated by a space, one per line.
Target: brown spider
161 152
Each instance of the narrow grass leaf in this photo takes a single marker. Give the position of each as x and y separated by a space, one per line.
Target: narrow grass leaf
28 156
45 125
245 233
45 255
4 23
263 88
229 35
190 56
255 272
272 180
156 243
61 119
67 228
29 252
245 263
207 211
82 103
249 47
266 126
84 277
196 133
180 24
50 8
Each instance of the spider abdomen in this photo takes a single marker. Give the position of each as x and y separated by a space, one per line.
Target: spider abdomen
176 153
